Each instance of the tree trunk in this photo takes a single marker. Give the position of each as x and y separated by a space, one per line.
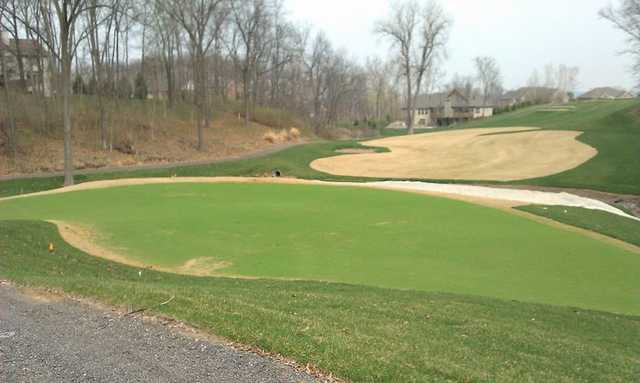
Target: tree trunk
66 100
245 91
12 136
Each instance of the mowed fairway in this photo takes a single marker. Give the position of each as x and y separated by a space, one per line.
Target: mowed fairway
353 235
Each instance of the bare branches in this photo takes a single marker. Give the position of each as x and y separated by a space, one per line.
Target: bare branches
489 77
626 17
418 35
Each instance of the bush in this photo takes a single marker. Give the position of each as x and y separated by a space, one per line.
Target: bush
123 88
140 89
78 85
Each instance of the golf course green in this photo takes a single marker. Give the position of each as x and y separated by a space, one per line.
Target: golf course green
351 235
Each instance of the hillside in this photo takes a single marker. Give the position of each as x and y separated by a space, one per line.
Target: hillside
139 132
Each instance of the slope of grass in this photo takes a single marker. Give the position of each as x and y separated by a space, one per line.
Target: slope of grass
292 162
360 333
624 229
363 236
612 127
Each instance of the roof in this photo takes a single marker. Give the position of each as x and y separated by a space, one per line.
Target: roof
606 93
458 100
28 47
530 91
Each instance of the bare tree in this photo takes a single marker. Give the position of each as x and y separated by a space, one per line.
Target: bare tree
11 134
316 62
196 18
567 78
418 36
67 12
489 77
626 17
463 84
249 17
534 79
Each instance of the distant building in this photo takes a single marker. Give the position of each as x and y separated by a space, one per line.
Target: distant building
34 65
534 95
443 109
606 93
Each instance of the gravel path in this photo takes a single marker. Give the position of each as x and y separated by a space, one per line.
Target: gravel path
67 341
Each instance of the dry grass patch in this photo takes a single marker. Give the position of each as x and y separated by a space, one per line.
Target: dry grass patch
496 154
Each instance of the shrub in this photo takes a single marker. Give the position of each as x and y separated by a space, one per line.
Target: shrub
140 89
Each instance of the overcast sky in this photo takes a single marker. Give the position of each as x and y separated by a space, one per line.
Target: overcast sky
521 34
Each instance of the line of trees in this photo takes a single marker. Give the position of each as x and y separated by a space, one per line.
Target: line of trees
210 52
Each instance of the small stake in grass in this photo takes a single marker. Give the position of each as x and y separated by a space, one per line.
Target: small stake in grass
51 248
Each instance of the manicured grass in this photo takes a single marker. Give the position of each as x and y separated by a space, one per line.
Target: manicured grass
352 235
364 334
624 229
612 127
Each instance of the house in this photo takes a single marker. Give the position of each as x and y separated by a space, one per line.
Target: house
534 95
606 93
36 74
443 109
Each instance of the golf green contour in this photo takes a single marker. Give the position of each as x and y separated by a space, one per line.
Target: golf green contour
349 235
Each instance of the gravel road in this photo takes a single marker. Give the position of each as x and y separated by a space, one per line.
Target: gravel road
67 341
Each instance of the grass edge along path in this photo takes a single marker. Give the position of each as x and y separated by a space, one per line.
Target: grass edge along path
611 225
359 333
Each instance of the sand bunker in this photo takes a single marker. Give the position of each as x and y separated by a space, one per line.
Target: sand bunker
496 154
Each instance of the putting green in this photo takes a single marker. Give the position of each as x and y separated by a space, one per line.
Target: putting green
342 234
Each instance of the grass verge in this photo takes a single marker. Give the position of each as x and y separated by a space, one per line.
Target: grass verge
363 334
624 229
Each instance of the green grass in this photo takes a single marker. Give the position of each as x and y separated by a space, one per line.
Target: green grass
612 127
352 235
624 229
364 334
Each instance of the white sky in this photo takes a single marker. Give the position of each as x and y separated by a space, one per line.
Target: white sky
521 34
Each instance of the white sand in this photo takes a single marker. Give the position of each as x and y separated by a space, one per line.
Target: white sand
519 197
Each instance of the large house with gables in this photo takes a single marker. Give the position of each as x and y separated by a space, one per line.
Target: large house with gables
607 93
447 108
534 95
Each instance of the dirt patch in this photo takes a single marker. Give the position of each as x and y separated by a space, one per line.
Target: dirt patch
470 154
85 239
203 267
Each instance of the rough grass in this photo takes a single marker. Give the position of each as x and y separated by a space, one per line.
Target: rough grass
612 127
363 236
360 333
624 229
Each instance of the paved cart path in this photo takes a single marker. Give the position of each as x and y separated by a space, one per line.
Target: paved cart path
67 341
